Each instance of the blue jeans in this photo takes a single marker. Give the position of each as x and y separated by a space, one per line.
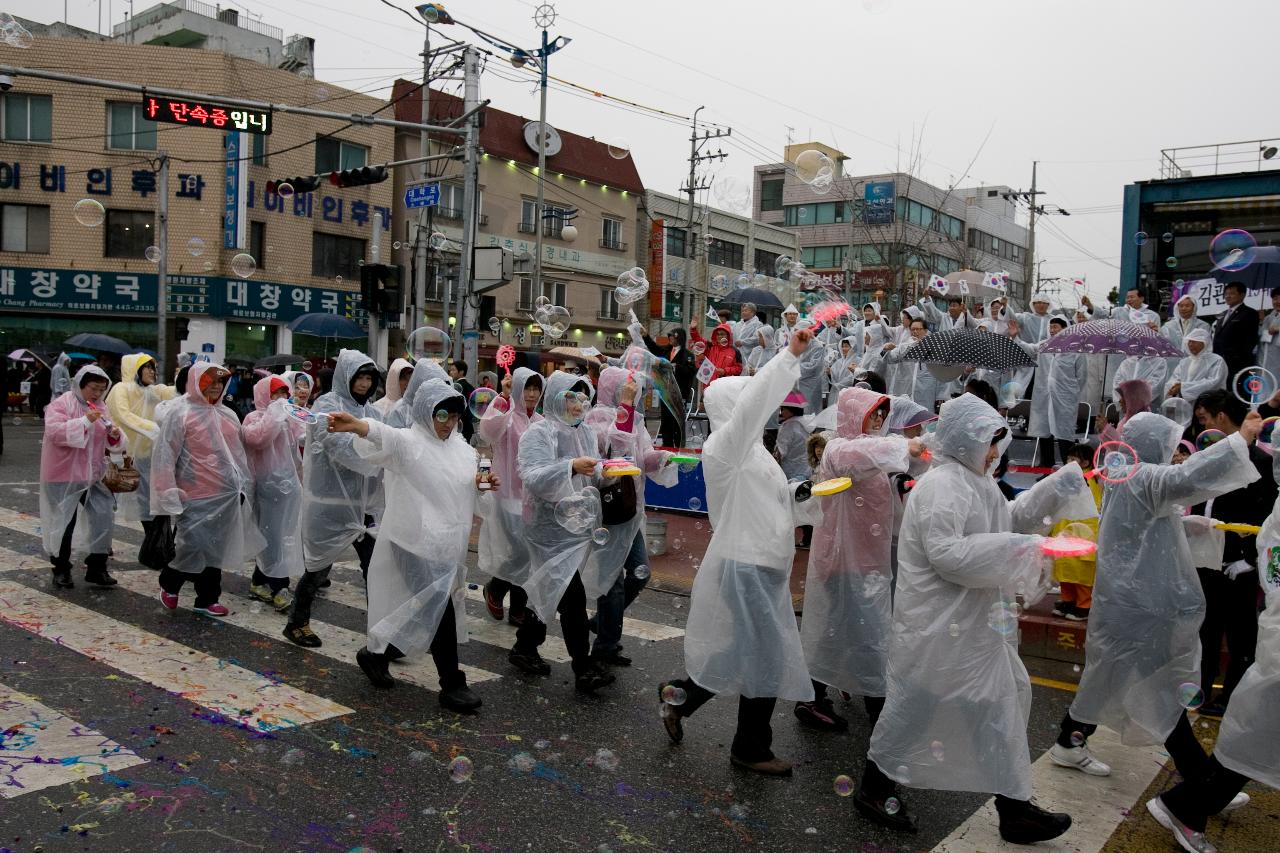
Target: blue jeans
609 607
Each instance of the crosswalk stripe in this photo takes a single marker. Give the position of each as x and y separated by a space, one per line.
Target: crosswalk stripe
23 522
340 644
42 748
638 628
222 687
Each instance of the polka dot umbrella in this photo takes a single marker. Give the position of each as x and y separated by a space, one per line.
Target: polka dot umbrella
968 347
1112 336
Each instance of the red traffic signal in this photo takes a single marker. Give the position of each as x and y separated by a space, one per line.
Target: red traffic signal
359 177
286 187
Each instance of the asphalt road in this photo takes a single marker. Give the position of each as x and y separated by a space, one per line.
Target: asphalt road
124 727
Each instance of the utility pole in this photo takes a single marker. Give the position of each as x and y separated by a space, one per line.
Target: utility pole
691 188
162 269
466 315
417 317
1031 227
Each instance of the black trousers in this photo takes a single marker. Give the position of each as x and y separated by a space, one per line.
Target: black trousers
444 650
1044 449
1231 610
304 596
519 598
753 740
62 560
573 624
1187 754
1193 799
208 584
275 584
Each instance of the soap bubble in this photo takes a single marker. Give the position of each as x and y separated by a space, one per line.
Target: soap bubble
438 240
858 501
577 513
13 33
1208 438
673 695
1254 386
641 572
619 149
600 536
306 365
1166 237
244 265
461 769
495 325
479 401
695 504
556 321
195 247
427 342
782 266
152 253
1140 239
1003 619
632 286
843 785
1177 410
396 245
813 166
731 192
542 302
523 762
939 751
89 212
892 806
1171 262
698 348
1190 696
1232 250
208 266
719 283
1011 393
1115 461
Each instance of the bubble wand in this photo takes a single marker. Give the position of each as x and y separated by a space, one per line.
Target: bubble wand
506 357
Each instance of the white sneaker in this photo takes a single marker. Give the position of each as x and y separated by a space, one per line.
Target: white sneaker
1078 758
1187 838
1239 801
262 592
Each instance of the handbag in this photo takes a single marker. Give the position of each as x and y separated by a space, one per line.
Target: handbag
618 501
123 477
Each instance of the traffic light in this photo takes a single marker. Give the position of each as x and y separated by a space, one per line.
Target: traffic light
380 291
286 187
359 177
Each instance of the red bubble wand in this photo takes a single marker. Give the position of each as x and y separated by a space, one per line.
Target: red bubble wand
506 357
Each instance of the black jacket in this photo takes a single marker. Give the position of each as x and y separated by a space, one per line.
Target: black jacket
1235 337
1250 505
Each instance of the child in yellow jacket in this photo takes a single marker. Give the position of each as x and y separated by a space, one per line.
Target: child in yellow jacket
1076 574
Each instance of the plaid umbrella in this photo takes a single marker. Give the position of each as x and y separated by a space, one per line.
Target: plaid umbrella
969 347
1118 337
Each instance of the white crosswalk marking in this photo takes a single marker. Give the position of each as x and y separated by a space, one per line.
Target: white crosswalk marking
25 522
42 748
638 628
227 689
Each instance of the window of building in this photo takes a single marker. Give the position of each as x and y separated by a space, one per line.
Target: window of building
766 262
129 233
128 130
28 118
450 206
259 149
336 155
553 222
442 286
673 306
608 304
258 242
553 290
611 233
951 226
724 253
826 213
823 257
870 256
333 255
24 228
677 242
771 194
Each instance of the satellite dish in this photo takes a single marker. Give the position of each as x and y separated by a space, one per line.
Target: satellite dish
540 140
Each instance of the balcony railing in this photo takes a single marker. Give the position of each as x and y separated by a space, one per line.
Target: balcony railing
616 245
527 228
607 315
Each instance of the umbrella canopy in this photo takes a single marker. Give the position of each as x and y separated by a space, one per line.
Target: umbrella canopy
323 325
102 343
1112 336
81 356
23 355
237 361
280 359
761 298
1262 273
969 347
571 354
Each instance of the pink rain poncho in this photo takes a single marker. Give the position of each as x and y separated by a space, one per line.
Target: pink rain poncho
72 462
200 475
271 441
612 442
133 409
503 549
848 606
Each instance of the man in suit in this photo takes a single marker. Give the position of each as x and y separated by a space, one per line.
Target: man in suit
1235 332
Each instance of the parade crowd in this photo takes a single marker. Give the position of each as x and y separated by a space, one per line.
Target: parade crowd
917 570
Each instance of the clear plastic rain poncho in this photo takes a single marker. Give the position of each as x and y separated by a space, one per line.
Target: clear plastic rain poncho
133 409
199 473
401 415
1143 639
1198 374
1151 369
913 378
1175 329
744 336
271 440
873 341
612 442
60 375
844 368
848 605
72 462
742 635
384 404
420 558
760 354
813 372
958 696
504 552
1059 387
903 411
1249 740
545 462
339 488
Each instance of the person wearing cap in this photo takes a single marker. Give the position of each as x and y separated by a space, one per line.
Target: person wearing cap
200 475
1199 371
792 434
132 405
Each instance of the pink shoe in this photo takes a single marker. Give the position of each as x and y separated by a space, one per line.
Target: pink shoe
169 600
214 609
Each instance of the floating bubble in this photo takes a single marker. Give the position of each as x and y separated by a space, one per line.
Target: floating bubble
673 695
695 504
632 286
1011 393
698 348
619 149
577 513
1115 461
208 266
1140 239
461 769
1171 262
939 751
892 806
479 401
731 192
338 280
843 785
556 322
1208 438
523 762
244 265
1232 250
605 759
858 501
600 536
719 283
427 342
306 365
1166 237
641 572
1177 410
1002 618
495 325
1190 696
876 530
438 240
13 33
195 247
742 282
542 302
1077 739
152 253
782 266
1254 386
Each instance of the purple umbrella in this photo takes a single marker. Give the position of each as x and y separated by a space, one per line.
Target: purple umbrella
1112 336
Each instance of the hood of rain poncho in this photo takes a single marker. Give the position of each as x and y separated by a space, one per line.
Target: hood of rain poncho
433 395
1041 297
132 364
264 388
770 338
64 360
721 397
728 331
913 312
1153 437
369 369
905 413
424 370
853 408
966 427
350 363
196 378
875 332
1135 395
293 377
82 376
519 379
611 381
790 309
553 402
393 379
1201 335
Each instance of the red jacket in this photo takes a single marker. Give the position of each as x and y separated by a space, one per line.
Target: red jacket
720 350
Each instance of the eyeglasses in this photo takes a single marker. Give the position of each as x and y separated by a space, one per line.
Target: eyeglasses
443 417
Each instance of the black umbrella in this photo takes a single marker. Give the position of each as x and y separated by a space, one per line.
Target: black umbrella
280 359
968 347
236 361
761 298
1262 273
323 325
99 342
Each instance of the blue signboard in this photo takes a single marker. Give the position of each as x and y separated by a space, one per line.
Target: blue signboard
231 209
422 195
878 203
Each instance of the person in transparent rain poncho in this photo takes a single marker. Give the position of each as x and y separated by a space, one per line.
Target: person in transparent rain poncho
559 465
958 698
399 374
424 369
1060 379
504 553
813 376
619 566
421 553
1142 652
132 404
340 490
1248 745
841 372
76 509
200 476
913 378
271 439
742 635
60 375
764 350
848 604
1199 372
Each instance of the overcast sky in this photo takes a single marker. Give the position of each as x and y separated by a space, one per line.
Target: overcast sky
1093 90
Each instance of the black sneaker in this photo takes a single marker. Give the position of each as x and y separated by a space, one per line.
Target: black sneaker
820 716
614 658
890 811
1077 614
62 579
301 635
516 617
593 678
1027 823
459 698
100 578
1062 608
530 663
375 666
